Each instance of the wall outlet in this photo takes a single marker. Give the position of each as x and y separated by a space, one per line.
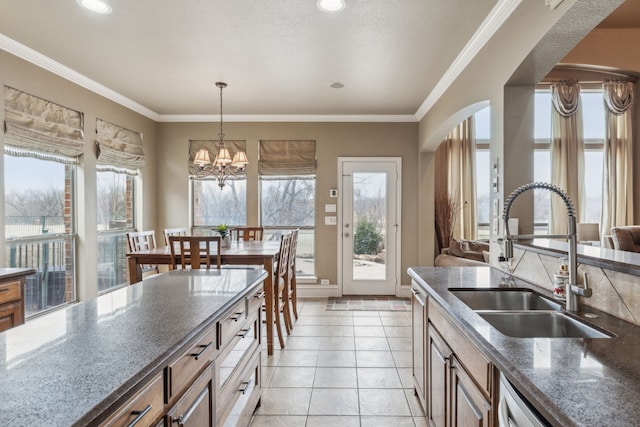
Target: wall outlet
324 281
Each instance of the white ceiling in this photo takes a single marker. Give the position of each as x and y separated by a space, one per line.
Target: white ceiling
162 57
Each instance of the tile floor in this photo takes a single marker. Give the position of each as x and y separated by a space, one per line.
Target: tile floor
341 369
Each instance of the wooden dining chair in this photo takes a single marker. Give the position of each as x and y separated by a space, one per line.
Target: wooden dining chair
168 232
280 295
194 251
140 241
247 234
291 275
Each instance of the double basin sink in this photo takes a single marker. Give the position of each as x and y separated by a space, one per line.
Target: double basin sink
524 313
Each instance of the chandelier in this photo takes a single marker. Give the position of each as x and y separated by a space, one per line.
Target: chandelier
223 165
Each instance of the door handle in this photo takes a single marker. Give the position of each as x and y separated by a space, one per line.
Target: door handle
346 234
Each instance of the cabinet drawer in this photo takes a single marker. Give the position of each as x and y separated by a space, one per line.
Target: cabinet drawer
256 301
478 366
244 394
231 323
143 408
183 370
11 291
233 360
11 315
195 408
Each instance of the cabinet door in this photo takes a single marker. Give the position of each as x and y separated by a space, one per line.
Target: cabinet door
196 407
438 374
469 408
419 331
11 315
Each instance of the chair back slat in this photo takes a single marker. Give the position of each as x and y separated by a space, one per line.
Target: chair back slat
247 234
195 251
168 232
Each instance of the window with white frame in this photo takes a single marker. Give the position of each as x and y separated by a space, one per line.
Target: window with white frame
43 141
287 195
213 205
594 133
288 202
120 157
115 195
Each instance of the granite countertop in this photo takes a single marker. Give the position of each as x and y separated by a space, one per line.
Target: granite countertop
10 273
66 367
570 381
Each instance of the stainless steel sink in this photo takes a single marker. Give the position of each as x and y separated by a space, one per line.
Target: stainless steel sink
540 324
504 299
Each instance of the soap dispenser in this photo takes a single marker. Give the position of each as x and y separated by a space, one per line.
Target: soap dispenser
560 281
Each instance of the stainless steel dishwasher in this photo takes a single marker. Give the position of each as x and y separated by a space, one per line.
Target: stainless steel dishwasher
514 410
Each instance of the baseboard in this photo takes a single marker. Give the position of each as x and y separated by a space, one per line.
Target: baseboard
316 291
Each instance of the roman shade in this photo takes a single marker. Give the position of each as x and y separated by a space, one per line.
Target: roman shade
119 149
196 144
35 127
287 157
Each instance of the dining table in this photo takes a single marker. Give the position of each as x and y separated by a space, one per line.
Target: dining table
258 253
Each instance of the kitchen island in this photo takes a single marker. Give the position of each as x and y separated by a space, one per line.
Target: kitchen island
165 340
569 381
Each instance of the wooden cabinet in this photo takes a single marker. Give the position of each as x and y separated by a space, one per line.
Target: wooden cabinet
11 302
460 382
419 331
238 365
212 380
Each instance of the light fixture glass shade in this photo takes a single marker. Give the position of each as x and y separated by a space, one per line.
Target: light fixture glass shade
240 160
331 6
97 6
202 157
223 158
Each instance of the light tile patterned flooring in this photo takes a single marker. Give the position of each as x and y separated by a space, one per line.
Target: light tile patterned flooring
340 369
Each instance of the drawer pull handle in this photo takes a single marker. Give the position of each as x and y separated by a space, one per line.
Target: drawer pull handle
246 385
260 295
243 333
203 349
4 289
140 415
236 316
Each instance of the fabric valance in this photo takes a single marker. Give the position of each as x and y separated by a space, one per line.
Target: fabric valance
287 157
565 97
618 96
212 145
35 127
119 149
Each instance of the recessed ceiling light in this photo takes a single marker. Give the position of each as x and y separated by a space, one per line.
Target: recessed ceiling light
97 6
336 85
331 6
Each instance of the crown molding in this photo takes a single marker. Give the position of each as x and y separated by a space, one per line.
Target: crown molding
362 118
491 24
36 58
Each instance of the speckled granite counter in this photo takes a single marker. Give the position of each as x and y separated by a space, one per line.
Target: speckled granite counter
571 381
67 366
12 273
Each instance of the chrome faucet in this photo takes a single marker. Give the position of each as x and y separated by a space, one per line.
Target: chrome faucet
572 290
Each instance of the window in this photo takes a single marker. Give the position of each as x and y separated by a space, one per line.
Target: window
43 141
288 195
39 228
483 171
593 132
115 194
120 157
213 206
288 202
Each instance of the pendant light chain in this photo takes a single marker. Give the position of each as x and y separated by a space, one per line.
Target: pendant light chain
221 86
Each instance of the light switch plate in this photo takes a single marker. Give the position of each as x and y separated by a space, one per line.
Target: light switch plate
330 207
330 220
